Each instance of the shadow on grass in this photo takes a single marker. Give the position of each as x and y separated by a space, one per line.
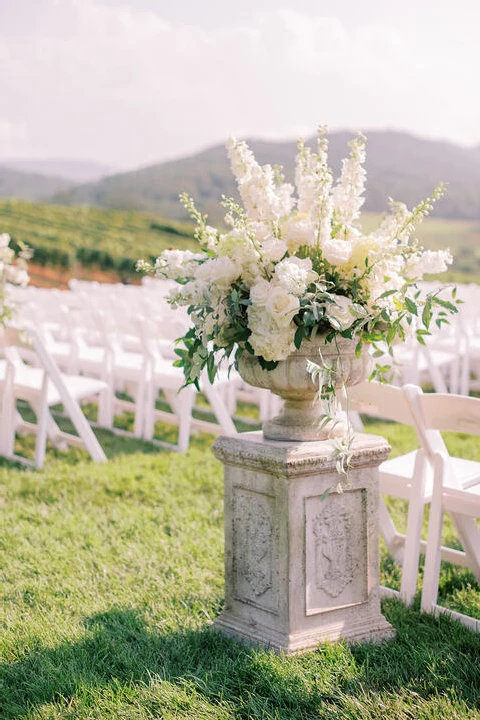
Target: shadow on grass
428 659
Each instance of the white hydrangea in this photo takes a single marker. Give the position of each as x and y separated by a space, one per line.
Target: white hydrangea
268 339
220 271
13 271
273 250
295 274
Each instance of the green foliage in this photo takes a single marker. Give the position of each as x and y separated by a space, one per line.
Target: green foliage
113 575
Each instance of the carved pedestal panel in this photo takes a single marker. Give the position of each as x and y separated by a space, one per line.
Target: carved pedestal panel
301 563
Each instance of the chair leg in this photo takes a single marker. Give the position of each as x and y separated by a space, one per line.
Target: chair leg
148 415
469 534
433 553
432 563
42 425
186 401
416 508
8 419
393 539
219 408
139 423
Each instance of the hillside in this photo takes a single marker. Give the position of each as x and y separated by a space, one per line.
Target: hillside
30 186
399 165
105 244
74 238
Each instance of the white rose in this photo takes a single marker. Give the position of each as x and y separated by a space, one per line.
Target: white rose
337 251
340 313
260 292
282 306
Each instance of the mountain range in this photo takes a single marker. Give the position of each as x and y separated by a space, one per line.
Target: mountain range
399 165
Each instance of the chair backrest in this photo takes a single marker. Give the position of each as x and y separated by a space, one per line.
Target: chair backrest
29 338
435 413
379 400
450 413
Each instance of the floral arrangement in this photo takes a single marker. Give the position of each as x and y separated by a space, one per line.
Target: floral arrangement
290 267
13 271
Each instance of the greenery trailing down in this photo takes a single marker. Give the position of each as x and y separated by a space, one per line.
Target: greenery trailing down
113 574
105 239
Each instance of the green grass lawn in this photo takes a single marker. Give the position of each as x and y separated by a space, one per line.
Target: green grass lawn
111 578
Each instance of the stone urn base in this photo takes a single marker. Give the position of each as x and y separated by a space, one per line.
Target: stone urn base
304 416
301 558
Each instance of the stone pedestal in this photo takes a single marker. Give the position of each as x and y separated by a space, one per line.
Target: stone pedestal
301 563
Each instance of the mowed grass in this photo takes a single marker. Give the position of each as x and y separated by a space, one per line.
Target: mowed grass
113 575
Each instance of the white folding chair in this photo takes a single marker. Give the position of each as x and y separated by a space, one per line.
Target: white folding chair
165 377
42 387
407 476
456 488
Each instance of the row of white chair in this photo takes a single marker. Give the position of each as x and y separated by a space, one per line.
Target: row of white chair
449 361
429 475
130 346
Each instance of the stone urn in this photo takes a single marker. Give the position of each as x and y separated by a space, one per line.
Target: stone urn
306 417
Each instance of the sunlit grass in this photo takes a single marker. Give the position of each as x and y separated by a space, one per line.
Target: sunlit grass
113 574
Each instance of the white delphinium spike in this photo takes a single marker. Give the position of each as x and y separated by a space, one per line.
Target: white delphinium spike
262 200
394 227
348 193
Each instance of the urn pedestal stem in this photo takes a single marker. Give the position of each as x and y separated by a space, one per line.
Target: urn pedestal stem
301 558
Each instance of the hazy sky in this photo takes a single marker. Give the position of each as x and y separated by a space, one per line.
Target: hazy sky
133 82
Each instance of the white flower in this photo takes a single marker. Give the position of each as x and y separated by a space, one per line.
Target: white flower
298 230
347 194
268 339
341 313
274 249
305 263
220 271
337 251
429 262
274 346
260 292
282 306
295 274
178 264
17 276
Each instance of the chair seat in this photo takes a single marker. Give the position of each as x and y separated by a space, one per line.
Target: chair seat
467 472
397 477
29 380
